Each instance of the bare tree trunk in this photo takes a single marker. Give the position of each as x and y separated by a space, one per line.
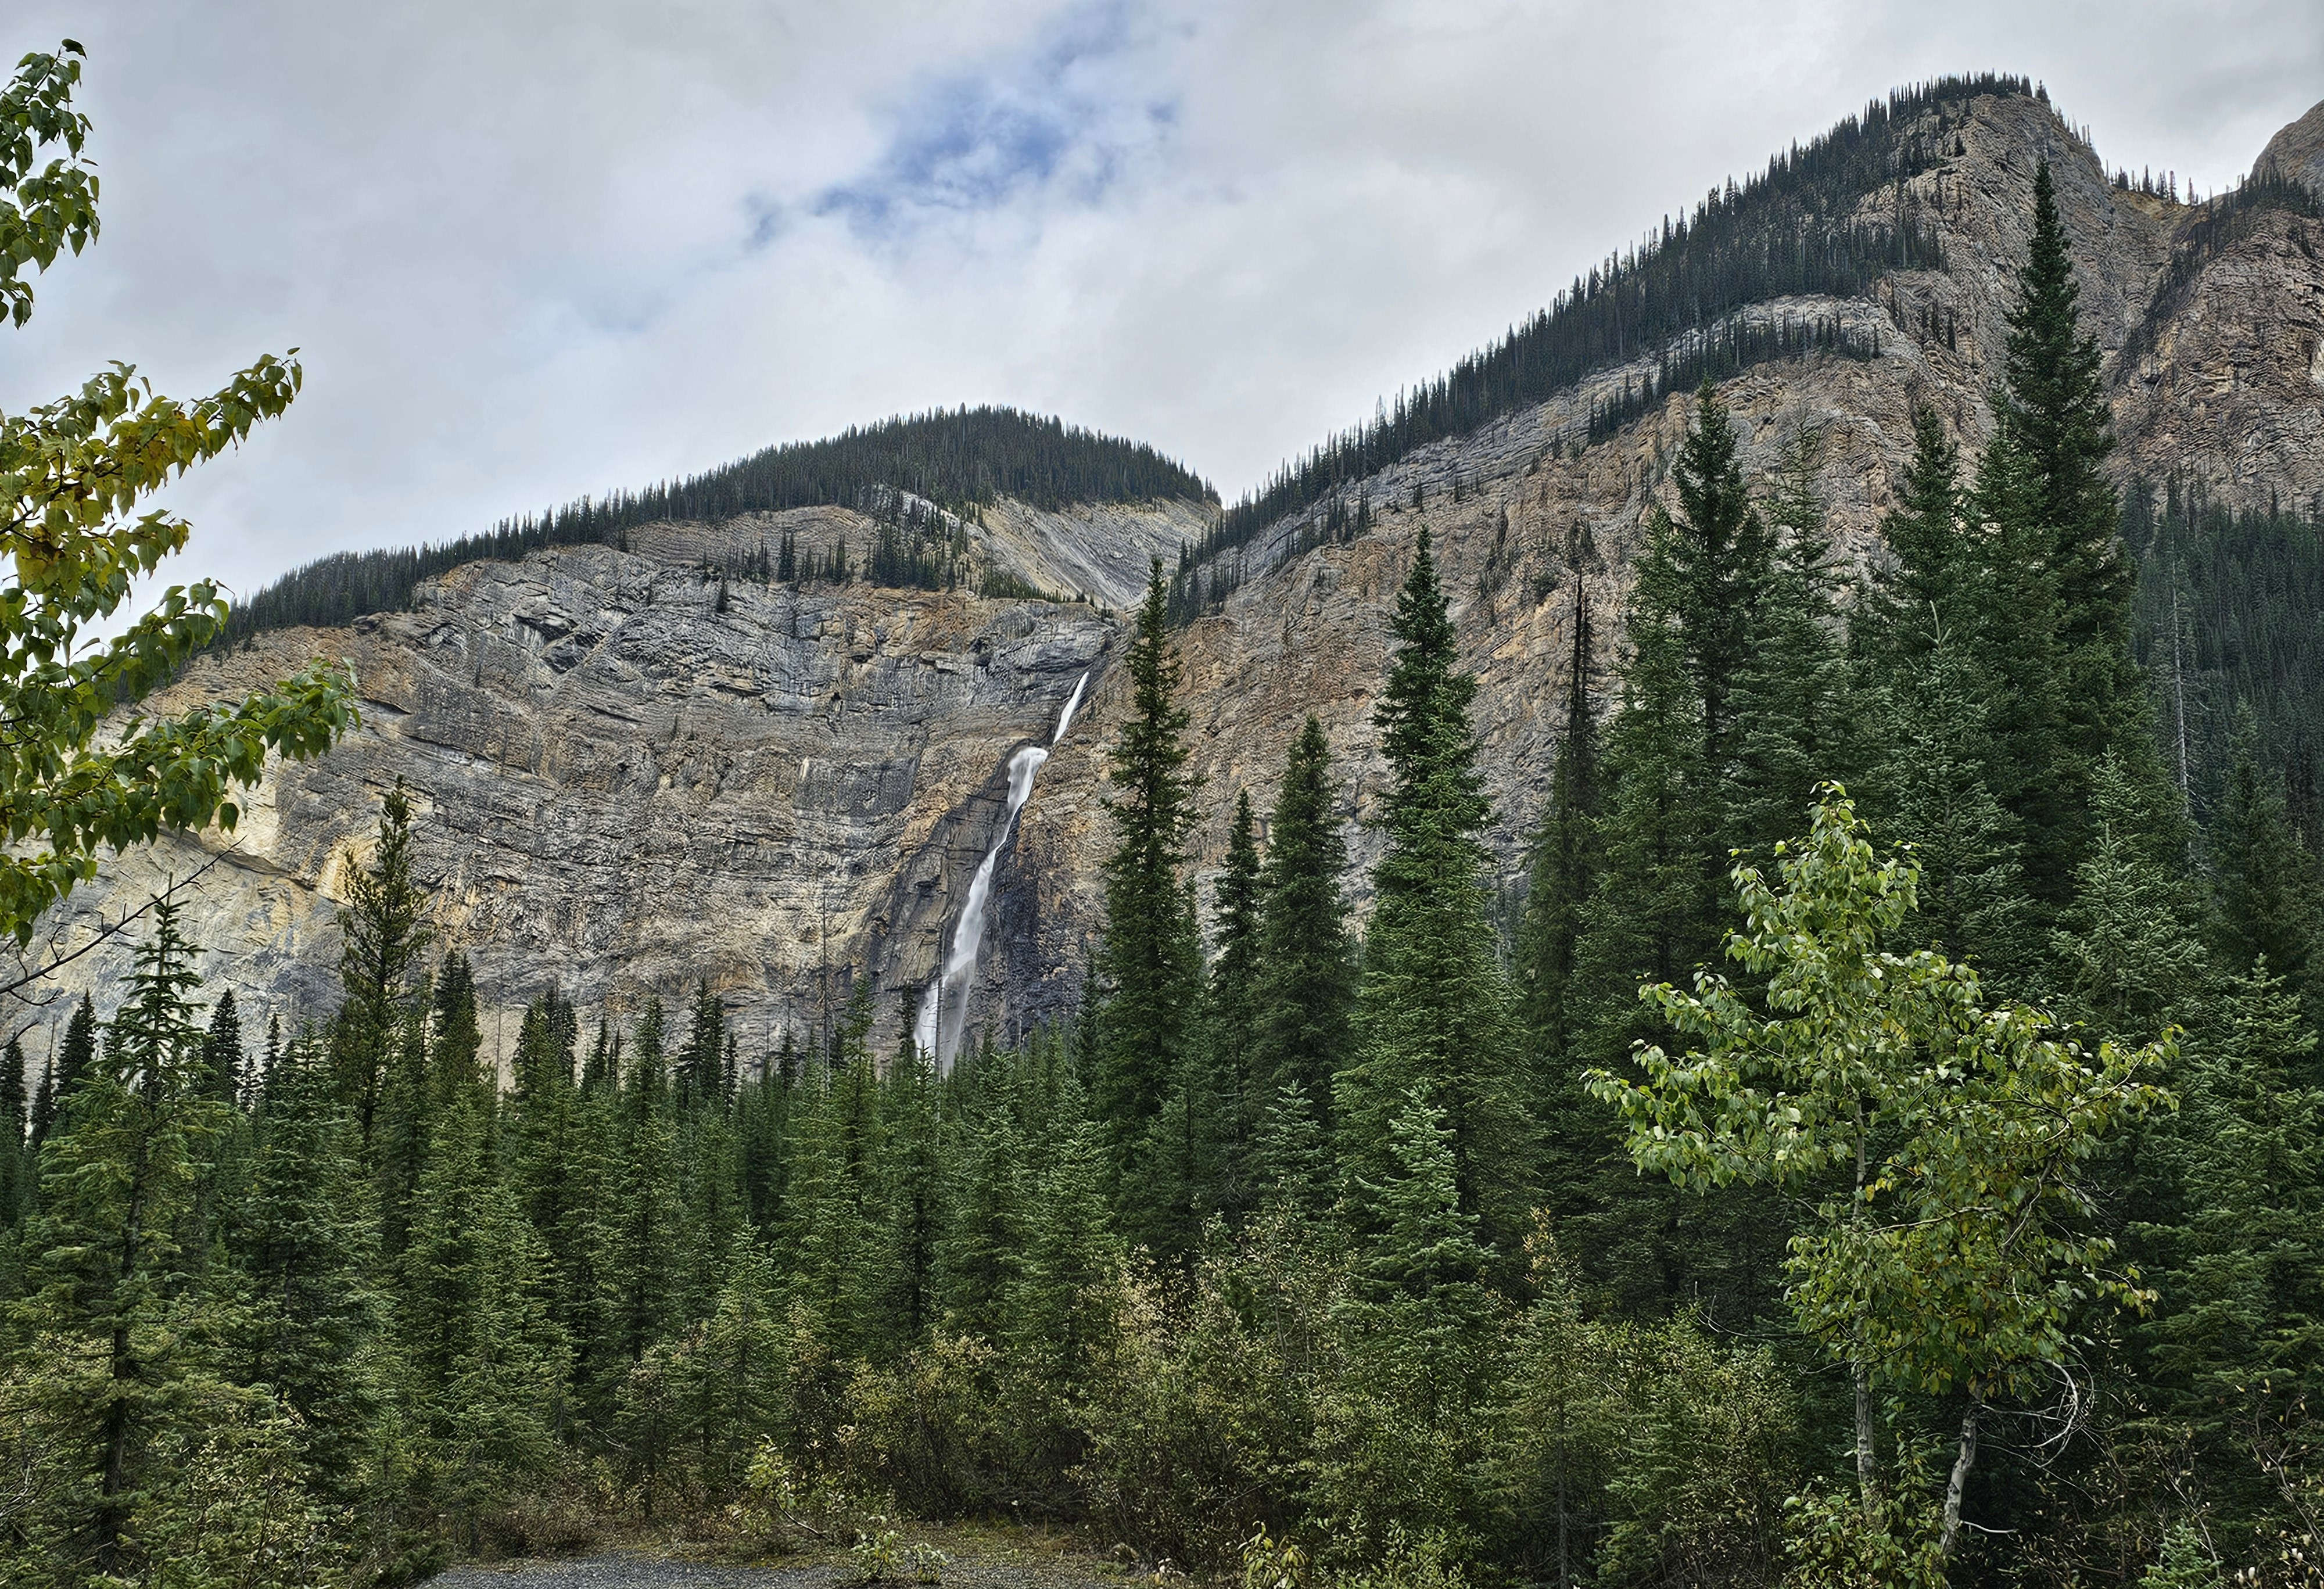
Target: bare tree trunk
1961 1464
1867 1478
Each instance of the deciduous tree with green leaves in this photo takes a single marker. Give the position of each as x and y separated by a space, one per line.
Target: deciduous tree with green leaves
1944 1139
72 474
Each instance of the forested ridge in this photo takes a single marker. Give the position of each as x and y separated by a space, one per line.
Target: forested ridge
1890 1150
1790 230
953 461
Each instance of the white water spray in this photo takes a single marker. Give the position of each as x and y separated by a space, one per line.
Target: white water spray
944 1010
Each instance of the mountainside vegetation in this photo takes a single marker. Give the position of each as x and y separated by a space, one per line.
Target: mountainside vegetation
2230 627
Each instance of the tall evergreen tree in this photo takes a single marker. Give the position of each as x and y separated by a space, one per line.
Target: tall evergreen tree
1060 1307
2262 877
1563 870
72 1059
1718 551
2130 947
981 1255
222 1054
2056 627
15 1150
456 1040
1794 715
484 1367
1653 840
912 1177
642 1217
2240 1340
1148 960
1972 901
407 1115
105 1301
701 1073
1233 1010
2055 400
306 1248
1305 994
1433 1010
385 931
1927 582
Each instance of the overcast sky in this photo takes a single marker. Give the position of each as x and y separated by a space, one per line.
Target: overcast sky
530 250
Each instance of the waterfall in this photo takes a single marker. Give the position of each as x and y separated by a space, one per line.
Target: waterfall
944 1009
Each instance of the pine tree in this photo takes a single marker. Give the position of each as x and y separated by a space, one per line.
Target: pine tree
104 1303
642 1218
385 933
1655 836
44 1106
1433 1009
1418 1335
601 1070
2262 877
1718 551
1972 901
1233 1010
2128 947
912 1175
2013 635
981 1252
843 1262
730 1374
222 1054
407 1114
1428 1252
305 1246
1061 1308
2055 400
1791 704
257 1089
1293 1155
2239 1340
485 1366
1929 581
1305 993
74 1058
701 1076
1562 869
2057 627
456 1040
1148 958
15 1150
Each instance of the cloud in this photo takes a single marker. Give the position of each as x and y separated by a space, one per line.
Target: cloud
533 250
1060 119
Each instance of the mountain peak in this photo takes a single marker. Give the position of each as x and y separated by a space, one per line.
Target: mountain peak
2297 151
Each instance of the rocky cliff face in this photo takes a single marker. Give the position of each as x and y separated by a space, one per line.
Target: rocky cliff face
623 787
2297 151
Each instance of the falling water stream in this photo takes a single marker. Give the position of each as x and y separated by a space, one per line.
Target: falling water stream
944 1010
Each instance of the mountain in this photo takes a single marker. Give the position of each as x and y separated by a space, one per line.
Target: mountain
640 758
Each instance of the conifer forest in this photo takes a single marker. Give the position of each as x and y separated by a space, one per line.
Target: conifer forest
1884 1144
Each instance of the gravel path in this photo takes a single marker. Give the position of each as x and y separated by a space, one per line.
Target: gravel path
969 1570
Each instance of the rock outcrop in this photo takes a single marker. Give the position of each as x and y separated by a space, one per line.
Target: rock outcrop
2297 151
623 787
